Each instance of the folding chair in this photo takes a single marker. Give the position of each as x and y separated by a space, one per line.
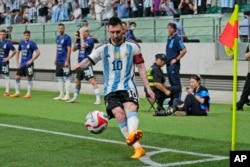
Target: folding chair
152 103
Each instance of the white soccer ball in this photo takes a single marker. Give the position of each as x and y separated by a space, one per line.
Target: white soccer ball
96 122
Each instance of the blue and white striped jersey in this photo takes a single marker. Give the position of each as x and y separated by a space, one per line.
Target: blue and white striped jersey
118 65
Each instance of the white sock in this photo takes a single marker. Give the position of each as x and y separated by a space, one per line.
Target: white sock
61 86
97 94
17 86
132 121
124 129
67 85
7 83
30 83
76 93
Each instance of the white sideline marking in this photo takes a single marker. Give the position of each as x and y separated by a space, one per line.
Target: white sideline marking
145 159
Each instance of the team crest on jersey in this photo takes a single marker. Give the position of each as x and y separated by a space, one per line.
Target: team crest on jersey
117 54
28 46
4 46
126 54
62 41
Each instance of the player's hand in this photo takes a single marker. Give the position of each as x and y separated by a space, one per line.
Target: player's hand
75 67
173 61
29 62
5 59
18 65
66 64
151 94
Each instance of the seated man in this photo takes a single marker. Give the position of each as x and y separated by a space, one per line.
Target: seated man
156 81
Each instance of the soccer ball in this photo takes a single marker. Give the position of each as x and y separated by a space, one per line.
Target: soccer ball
96 122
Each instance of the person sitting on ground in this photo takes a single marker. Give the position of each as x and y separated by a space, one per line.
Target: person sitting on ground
156 81
197 101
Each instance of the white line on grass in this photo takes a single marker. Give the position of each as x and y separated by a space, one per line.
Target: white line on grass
145 159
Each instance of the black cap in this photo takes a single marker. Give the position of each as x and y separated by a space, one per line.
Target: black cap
160 56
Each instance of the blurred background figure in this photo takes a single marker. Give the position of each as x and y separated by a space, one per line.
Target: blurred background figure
244 27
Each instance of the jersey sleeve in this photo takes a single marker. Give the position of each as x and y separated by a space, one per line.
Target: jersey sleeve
11 46
34 46
137 59
96 55
69 42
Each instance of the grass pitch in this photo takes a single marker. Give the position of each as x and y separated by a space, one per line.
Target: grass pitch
43 132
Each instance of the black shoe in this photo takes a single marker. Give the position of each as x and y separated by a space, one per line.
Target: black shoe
248 102
238 108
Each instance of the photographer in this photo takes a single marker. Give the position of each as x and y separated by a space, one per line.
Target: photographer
43 12
197 101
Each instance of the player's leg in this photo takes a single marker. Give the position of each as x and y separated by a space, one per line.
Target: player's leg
115 110
59 75
89 75
96 90
5 72
66 78
29 71
76 91
20 72
131 108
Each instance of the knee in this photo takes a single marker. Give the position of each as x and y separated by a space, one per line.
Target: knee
119 114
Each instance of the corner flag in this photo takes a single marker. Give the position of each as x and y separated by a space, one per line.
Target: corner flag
230 33
229 38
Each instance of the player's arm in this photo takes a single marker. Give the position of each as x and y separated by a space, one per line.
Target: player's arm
17 58
143 75
83 64
36 55
75 43
13 53
68 53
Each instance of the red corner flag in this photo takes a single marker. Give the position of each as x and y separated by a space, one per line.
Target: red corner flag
230 33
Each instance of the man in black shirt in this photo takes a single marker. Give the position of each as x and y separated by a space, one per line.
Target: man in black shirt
157 80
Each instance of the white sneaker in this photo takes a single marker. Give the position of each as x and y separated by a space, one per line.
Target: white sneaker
65 98
73 100
97 102
58 98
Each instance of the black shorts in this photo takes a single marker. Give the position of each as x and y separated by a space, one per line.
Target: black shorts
86 73
62 71
26 71
5 69
116 99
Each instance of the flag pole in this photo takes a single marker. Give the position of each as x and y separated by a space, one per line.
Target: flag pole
235 73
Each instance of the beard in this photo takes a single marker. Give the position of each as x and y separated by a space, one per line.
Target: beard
117 41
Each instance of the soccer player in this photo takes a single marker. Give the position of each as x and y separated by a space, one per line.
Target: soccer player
85 46
119 58
62 62
5 47
29 53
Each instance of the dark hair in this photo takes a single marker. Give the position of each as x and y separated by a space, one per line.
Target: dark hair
26 32
173 25
61 24
195 77
3 30
113 21
124 22
132 22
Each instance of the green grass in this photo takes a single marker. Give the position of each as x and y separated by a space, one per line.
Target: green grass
26 148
